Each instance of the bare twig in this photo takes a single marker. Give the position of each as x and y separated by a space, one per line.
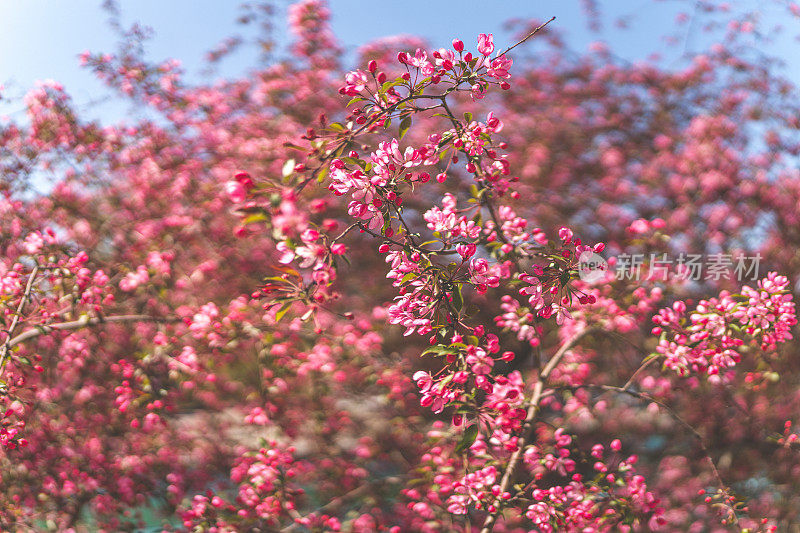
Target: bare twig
531 34
83 322
639 370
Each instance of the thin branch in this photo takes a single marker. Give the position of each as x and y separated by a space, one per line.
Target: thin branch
345 232
527 428
9 342
639 370
338 501
83 322
531 34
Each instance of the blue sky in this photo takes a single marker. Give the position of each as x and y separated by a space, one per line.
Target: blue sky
41 39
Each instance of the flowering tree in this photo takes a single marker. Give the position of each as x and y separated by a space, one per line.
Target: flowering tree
326 299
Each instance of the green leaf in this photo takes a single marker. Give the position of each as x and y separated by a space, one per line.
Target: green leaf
468 117
282 311
257 217
458 298
354 161
322 174
468 438
404 125
438 350
408 277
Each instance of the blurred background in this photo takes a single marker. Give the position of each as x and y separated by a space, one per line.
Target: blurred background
42 40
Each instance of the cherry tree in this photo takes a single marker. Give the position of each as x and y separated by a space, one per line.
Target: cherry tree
328 297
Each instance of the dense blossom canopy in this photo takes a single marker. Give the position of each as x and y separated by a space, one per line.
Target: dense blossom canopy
332 297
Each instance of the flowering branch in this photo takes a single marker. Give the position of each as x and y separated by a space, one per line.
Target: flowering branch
527 428
9 342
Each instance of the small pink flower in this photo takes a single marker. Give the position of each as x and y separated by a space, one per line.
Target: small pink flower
287 254
485 44
466 250
236 191
639 226
356 81
499 67
33 243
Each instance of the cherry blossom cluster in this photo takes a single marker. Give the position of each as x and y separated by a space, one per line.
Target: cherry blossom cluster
266 493
448 66
710 341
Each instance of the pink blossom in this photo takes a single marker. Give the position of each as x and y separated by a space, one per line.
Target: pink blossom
485 44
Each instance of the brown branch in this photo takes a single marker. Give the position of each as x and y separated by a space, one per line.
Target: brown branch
531 34
9 342
527 428
339 500
639 370
83 322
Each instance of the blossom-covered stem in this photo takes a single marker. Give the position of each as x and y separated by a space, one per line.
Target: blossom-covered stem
532 410
15 321
487 202
383 113
486 199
